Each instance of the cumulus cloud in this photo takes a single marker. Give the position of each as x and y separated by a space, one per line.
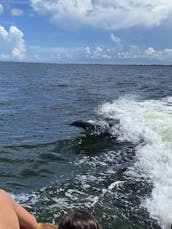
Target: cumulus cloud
161 55
68 55
98 54
150 52
109 14
16 12
12 43
127 54
1 8
3 32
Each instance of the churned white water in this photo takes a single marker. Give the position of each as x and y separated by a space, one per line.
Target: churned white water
148 124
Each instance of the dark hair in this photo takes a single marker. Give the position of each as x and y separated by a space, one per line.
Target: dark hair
78 219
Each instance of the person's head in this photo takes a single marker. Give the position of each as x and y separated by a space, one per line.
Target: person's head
78 219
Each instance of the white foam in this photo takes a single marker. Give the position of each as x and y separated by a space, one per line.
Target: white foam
150 122
115 184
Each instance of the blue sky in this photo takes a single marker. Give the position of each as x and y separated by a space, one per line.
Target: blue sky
86 31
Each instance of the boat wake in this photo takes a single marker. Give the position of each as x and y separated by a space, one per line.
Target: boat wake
148 123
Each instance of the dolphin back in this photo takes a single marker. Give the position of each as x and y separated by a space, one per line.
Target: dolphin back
89 126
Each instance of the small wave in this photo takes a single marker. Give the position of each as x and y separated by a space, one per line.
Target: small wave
148 121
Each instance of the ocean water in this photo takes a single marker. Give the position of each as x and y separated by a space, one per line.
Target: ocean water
50 167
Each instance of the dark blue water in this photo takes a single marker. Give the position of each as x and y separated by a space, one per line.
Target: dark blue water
51 167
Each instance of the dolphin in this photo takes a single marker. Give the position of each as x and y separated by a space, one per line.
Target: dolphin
91 126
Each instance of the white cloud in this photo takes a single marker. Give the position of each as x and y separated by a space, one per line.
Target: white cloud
93 54
130 53
150 52
160 55
87 51
3 33
68 55
12 43
115 39
16 12
97 53
109 14
1 8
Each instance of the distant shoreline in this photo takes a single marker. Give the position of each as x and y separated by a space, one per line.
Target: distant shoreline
104 64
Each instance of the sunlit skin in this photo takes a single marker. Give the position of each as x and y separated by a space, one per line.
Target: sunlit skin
14 216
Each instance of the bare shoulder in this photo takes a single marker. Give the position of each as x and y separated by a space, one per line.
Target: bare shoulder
46 226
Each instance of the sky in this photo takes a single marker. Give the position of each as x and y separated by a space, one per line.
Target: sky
86 31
